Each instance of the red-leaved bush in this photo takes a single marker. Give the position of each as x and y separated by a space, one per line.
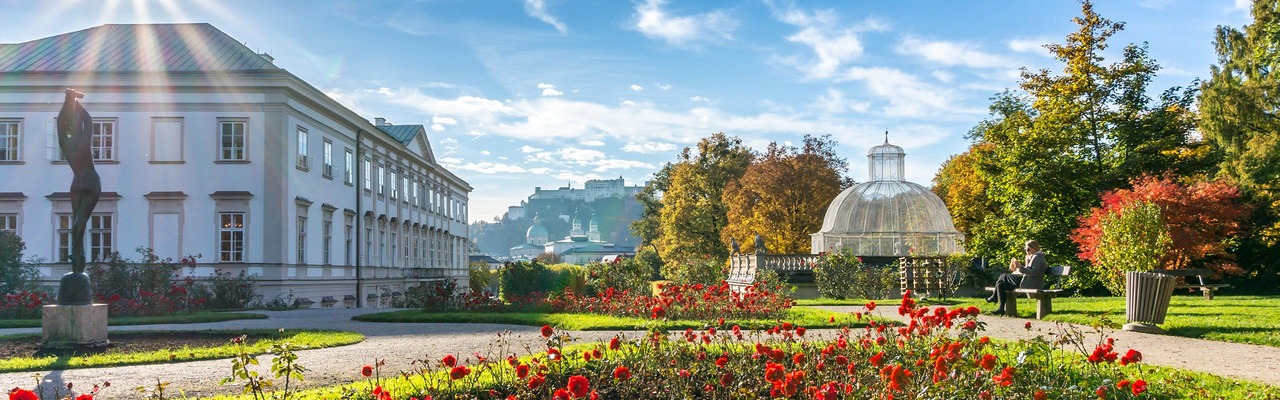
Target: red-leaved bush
1202 220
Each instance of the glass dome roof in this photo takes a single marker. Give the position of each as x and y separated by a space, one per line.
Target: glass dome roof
888 216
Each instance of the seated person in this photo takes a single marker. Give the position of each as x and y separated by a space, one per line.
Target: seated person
1028 275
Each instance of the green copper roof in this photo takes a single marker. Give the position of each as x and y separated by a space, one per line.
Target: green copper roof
134 48
402 133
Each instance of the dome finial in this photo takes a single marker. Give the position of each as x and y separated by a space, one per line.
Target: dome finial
886 137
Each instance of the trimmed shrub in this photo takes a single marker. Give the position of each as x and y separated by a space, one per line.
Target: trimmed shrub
705 270
843 275
524 278
626 274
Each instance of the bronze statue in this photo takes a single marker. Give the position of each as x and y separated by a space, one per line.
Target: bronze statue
733 244
75 131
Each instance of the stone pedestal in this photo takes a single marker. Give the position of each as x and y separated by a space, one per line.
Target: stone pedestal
74 326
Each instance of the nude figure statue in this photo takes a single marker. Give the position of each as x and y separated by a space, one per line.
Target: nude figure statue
75 131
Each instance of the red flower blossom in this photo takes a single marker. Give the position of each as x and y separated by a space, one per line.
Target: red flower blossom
871 306
622 373
553 354
536 381
1027 325
615 343
798 358
1039 395
579 386
367 371
1005 378
726 378
84 397
1138 387
773 372
459 372
547 331
522 371
800 331
561 394
658 312
721 362
878 359
987 362
1130 357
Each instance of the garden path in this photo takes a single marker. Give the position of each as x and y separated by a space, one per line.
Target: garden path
1244 361
402 343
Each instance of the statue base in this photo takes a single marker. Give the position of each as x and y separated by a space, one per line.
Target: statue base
1143 327
74 327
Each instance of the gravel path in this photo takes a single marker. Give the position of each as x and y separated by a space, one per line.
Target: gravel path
401 344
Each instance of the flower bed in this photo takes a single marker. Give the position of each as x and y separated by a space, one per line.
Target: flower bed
939 354
695 302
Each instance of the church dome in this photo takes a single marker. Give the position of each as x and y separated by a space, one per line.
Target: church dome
537 234
888 216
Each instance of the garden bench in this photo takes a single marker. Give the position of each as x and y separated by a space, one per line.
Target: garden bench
1044 297
1206 288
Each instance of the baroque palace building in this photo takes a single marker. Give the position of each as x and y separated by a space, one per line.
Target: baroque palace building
208 148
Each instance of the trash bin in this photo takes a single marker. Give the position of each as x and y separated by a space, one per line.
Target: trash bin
1147 300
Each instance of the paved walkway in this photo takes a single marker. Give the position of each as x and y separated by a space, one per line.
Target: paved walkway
401 344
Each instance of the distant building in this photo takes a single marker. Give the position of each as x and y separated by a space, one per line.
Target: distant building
595 189
581 248
206 147
535 238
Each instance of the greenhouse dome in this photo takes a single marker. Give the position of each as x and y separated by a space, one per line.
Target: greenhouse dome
888 216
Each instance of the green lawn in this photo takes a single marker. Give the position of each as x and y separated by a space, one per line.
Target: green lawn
309 339
195 318
1239 319
802 316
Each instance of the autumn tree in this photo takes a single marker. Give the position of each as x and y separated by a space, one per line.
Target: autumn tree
962 186
1240 111
1203 221
1048 150
686 220
784 195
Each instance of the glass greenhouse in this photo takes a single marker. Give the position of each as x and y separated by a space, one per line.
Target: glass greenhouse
888 216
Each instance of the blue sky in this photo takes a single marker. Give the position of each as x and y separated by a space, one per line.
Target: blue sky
525 93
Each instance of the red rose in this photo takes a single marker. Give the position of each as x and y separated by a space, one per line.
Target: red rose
547 331
536 381
367 371
1027 325
579 386
449 360
622 373
1138 387
726 378
987 362
459 372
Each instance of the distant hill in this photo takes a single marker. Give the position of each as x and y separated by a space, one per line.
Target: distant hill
610 202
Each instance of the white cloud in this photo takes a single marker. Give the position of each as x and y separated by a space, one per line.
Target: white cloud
538 9
651 20
833 45
664 86
648 147
449 142
437 127
386 91
834 102
591 143
614 163
489 168
907 96
1033 46
627 103
484 152
443 120
698 98
549 90
943 76
952 53
1242 5
529 149
637 88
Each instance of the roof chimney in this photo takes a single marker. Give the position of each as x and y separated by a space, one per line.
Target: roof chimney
379 121
269 58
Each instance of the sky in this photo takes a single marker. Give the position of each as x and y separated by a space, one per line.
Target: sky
517 94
